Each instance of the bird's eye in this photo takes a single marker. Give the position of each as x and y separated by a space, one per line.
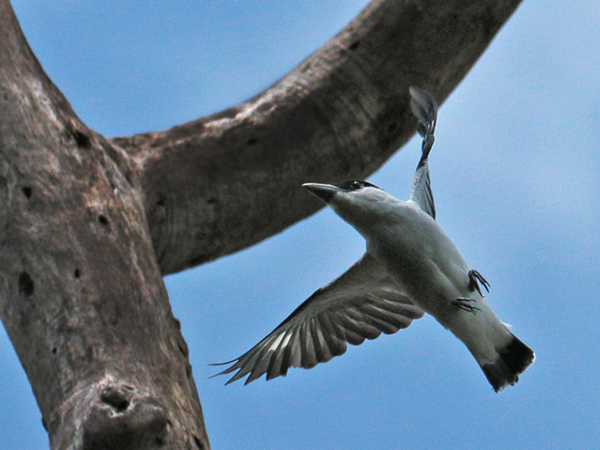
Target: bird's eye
355 185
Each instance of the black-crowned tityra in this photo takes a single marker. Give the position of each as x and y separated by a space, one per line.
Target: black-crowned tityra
410 267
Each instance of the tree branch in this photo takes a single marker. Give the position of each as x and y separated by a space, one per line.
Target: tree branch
81 296
224 182
83 219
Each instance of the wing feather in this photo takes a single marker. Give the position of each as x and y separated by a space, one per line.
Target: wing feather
424 107
361 304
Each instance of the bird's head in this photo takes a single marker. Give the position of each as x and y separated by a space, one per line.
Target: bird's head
357 202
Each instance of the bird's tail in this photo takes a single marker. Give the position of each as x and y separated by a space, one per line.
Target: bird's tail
512 359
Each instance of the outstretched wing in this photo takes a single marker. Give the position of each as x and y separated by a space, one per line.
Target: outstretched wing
424 107
359 305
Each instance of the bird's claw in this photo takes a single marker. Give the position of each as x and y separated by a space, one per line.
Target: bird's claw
463 303
474 279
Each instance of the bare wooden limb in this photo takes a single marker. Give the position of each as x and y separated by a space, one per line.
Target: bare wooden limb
88 226
224 182
81 295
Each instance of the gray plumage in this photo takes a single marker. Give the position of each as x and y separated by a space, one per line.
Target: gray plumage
410 267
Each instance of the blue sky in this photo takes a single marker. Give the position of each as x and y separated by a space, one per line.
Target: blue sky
515 173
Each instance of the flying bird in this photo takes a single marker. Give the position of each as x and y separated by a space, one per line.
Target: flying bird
410 267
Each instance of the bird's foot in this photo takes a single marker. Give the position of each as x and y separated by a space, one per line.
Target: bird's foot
474 279
463 303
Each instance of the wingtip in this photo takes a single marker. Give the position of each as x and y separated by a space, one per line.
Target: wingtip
424 106
228 370
224 363
231 380
422 98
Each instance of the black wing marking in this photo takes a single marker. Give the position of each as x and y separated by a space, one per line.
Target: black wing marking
424 107
361 304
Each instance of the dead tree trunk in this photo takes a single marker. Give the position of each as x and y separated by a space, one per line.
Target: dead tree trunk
89 225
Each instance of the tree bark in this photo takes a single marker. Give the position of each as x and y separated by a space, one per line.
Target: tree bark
89 225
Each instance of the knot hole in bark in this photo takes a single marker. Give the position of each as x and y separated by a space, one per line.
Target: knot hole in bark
26 285
103 220
117 398
123 419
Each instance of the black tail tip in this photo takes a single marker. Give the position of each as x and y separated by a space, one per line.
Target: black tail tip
513 359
